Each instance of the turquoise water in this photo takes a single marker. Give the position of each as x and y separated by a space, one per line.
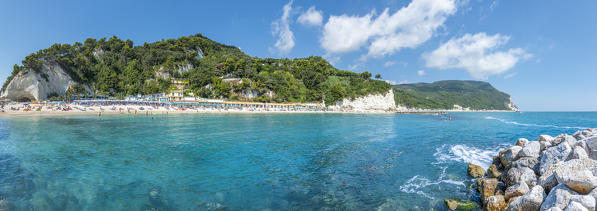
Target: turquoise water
256 161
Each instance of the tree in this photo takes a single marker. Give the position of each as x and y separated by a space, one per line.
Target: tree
366 75
378 76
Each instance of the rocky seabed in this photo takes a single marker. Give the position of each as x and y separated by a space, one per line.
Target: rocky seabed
550 173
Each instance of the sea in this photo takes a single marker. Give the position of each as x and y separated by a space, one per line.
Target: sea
312 161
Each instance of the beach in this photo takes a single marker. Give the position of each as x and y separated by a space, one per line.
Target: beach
145 108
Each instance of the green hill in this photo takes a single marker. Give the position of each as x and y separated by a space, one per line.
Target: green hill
476 95
119 68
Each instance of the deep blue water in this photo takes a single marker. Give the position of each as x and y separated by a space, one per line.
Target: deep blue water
256 161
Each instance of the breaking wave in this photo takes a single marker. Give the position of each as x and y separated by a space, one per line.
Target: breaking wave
417 183
533 125
466 154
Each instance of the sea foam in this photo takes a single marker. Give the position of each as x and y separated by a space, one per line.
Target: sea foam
465 154
418 182
533 125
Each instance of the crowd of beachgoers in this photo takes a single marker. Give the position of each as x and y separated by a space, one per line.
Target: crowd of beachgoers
140 107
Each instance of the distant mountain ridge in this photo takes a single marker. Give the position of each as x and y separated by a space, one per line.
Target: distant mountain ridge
452 94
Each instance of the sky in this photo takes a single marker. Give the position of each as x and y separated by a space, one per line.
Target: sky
541 52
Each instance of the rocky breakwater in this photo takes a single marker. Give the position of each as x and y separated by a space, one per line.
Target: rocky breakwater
372 102
551 173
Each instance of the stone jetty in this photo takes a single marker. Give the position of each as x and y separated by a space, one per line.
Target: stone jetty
550 173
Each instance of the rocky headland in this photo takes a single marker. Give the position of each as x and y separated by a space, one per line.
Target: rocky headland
550 173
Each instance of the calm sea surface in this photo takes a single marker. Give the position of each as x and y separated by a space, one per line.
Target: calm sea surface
256 161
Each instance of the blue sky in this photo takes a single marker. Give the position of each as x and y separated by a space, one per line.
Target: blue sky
542 52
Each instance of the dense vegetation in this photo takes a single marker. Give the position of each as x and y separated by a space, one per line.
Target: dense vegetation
117 67
476 95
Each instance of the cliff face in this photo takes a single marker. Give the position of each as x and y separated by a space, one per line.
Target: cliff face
374 102
31 85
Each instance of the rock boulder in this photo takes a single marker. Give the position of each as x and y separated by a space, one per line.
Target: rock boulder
553 155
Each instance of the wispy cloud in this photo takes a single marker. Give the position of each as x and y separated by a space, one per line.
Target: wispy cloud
389 64
421 72
510 75
281 31
386 33
311 17
478 54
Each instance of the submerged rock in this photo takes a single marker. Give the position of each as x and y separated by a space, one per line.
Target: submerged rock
475 171
458 204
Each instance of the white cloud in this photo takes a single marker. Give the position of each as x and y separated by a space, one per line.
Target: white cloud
386 33
332 59
281 30
394 82
477 54
353 67
312 17
510 75
421 72
493 5
389 64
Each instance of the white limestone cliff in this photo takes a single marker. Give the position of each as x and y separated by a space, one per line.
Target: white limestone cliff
372 102
31 85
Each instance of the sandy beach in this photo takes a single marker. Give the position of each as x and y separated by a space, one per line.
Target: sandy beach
25 109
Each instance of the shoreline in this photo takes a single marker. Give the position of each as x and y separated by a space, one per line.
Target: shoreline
9 114
149 113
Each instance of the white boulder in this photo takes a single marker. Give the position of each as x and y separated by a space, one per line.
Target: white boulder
545 138
578 153
531 149
516 190
592 147
531 200
521 142
578 175
586 201
575 206
558 197
554 155
524 174
509 155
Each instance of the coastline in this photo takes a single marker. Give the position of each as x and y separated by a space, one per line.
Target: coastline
142 113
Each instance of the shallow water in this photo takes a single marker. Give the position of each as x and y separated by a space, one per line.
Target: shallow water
256 161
